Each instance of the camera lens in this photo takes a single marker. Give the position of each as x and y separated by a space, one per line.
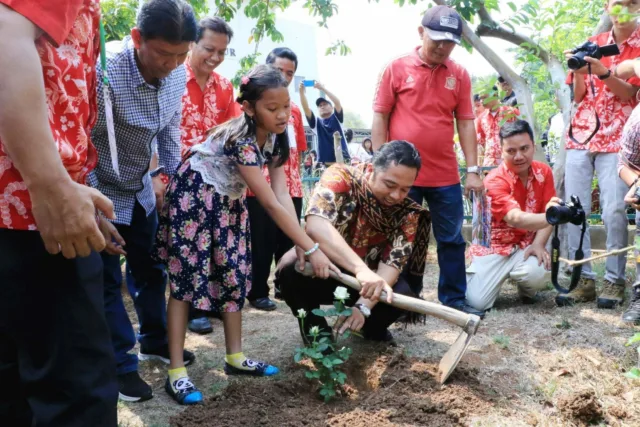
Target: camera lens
557 215
575 62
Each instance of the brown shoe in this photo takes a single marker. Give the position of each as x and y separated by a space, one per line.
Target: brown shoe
584 292
611 295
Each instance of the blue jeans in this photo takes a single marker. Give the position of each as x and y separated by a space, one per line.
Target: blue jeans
147 289
445 205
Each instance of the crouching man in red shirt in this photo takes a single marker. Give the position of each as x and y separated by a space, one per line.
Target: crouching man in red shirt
520 191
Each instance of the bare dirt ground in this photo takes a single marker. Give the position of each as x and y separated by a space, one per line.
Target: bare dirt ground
536 365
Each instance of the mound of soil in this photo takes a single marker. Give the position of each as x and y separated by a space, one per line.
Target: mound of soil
581 406
389 390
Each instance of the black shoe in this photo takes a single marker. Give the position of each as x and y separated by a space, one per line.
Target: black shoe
632 314
162 354
380 336
528 300
132 388
200 326
466 308
261 369
278 295
264 304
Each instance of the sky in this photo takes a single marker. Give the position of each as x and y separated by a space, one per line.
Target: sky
376 34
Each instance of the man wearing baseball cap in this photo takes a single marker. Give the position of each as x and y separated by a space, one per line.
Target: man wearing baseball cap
419 97
328 122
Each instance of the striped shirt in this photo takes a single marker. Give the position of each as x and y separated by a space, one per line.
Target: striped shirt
141 113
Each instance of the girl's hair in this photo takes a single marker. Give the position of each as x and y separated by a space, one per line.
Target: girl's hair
368 150
254 84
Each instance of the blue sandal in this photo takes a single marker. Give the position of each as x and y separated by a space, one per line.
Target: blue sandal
260 369
187 393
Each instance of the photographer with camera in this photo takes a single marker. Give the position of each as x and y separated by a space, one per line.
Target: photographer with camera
521 190
604 103
629 170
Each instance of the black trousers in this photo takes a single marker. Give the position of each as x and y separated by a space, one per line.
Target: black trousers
56 361
309 293
267 242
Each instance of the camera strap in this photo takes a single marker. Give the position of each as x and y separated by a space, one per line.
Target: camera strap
555 261
593 92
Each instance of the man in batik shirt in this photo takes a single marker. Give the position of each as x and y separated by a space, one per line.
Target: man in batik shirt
364 222
488 129
614 99
208 99
207 102
267 240
520 191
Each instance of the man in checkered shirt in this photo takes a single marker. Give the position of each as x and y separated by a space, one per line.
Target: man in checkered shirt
146 80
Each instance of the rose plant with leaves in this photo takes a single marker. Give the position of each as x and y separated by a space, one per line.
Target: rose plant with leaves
325 352
634 373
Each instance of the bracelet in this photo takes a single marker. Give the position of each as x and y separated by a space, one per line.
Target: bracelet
312 250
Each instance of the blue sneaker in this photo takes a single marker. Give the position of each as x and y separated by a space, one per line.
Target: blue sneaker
261 369
187 393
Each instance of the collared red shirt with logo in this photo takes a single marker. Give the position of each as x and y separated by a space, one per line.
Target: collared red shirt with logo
612 112
507 192
68 51
422 103
204 109
488 126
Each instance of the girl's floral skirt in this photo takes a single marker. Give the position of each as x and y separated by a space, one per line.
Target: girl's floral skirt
204 239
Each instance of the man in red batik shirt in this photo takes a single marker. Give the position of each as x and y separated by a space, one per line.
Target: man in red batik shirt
520 191
613 101
208 98
207 102
267 240
488 129
56 360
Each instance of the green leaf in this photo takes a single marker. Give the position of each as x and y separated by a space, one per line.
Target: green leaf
634 374
327 363
319 312
346 312
297 358
337 362
634 339
346 334
322 347
309 375
512 6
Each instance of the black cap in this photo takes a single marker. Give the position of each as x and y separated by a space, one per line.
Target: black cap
443 23
501 79
321 100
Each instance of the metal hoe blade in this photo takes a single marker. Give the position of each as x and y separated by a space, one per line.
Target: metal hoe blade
451 358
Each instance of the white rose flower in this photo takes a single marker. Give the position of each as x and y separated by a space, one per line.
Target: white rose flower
341 293
314 331
302 313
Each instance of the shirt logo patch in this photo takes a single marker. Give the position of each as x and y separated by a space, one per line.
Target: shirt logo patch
450 83
409 79
448 21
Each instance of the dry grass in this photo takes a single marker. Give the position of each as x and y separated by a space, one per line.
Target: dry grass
528 357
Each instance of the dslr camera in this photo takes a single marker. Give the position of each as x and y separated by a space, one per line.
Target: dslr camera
590 49
567 212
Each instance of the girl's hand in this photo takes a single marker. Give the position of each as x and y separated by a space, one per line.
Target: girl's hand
322 265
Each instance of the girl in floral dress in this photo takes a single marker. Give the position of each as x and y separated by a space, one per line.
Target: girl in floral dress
203 234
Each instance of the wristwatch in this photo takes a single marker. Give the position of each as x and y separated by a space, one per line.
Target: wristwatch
472 169
605 76
366 312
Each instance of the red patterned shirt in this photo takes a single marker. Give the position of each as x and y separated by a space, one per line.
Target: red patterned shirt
613 112
202 110
488 126
297 144
507 192
68 51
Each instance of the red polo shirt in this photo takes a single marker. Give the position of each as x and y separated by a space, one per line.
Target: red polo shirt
423 102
